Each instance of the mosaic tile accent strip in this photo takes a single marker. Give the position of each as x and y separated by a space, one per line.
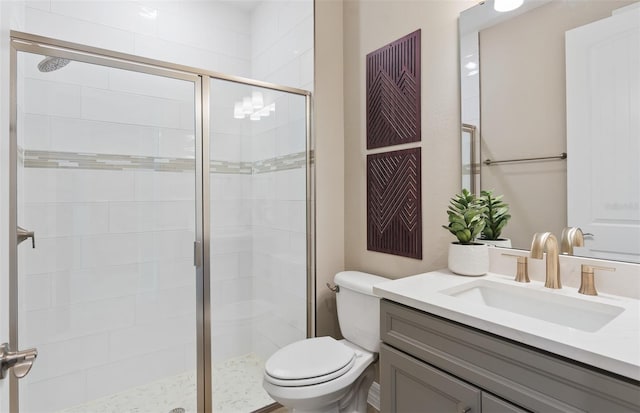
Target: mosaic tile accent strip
72 160
281 163
225 167
394 212
393 93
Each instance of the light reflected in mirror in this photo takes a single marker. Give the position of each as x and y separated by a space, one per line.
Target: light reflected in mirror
554 77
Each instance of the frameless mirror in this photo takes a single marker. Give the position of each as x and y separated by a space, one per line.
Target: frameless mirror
553 94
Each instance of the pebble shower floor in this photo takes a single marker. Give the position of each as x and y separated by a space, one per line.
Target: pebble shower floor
237 388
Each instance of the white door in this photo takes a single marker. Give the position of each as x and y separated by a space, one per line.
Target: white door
603 134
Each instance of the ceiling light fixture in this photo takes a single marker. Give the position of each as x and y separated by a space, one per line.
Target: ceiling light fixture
506 5
253 107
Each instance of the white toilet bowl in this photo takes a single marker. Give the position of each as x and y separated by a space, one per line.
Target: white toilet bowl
320 375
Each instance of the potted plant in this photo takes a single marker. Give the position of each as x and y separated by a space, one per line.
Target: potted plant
466 221
496 217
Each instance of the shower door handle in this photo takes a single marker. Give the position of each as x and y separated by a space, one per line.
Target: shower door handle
19 361
23 235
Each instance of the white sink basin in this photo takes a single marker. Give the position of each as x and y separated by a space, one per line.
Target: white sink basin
559 309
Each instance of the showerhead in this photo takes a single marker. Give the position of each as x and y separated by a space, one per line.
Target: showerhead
49 64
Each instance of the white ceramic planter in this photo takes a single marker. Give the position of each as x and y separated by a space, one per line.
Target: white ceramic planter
502 242
470 260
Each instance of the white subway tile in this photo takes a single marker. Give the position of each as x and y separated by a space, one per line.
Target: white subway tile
231 239
155 306
36 132
298 244
234 65
225 266
62 323
230 213
168 274
207 25
292 13
176 143
298 216
297 184
280 331
228 291
265 27
144 84
35 292
86 136
130 108
74 73
150 216
164 186
76 185
166 245
124 15
55 394
173 52
66 219
51 255
226 147
51 98
286 74
99 283
115 377
152 336
70 356
265 144
230 345
74 30
39 4
110 249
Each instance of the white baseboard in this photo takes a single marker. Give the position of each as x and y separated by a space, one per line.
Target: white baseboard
374 396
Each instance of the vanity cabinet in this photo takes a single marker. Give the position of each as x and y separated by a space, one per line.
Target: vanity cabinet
431 364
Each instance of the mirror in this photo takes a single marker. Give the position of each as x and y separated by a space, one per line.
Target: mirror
557 136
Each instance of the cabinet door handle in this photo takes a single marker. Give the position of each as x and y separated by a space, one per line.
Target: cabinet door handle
464 410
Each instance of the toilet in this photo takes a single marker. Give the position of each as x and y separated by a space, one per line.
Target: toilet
322 374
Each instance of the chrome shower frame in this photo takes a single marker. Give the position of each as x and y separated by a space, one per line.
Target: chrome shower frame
25 42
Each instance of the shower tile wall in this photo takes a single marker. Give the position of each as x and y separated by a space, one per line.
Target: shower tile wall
259 270
282 44
112 272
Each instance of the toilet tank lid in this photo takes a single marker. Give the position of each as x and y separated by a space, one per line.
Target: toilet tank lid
358 281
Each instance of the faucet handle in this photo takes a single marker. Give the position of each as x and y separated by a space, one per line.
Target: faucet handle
571 237
587 282
522 272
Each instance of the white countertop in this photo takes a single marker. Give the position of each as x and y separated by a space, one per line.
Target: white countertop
615 347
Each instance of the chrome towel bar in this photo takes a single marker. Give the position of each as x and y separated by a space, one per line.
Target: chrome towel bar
563 155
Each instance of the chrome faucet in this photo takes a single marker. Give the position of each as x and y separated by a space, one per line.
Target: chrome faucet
571 237
547 241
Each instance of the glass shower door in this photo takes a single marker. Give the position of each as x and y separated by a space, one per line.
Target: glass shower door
107 183
259 238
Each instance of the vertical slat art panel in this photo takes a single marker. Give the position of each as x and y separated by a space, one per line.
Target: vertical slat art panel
394 211
393 93
394 219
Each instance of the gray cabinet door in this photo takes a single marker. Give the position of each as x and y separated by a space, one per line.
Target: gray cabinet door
492 404
411 386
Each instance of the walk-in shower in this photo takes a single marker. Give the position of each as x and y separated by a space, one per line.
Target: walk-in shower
173 250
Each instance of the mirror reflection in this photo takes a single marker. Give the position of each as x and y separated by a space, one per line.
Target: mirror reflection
553 94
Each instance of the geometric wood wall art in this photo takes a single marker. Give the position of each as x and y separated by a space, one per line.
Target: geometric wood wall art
394 212
393 93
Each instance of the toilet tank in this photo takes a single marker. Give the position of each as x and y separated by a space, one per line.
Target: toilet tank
359 309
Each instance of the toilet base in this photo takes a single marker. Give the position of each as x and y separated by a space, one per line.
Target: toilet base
355 401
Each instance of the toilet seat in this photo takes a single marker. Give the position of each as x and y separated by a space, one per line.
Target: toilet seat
308 362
